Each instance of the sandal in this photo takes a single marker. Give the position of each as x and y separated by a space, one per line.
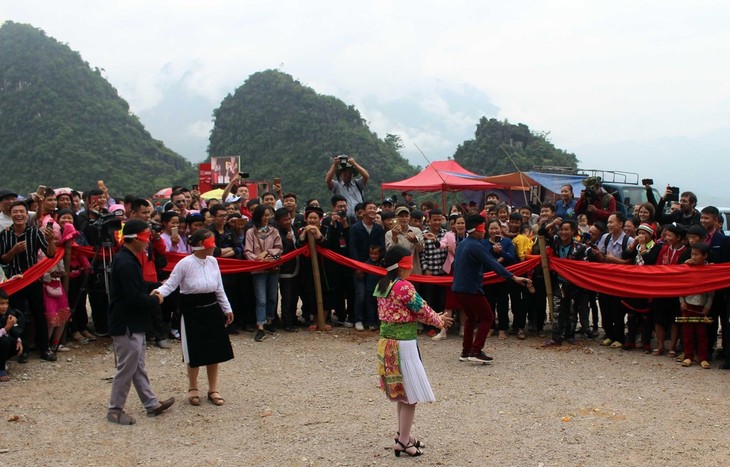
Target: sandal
672 354
657 352
120 417
405 448
194 400
412 440
217 399
705 364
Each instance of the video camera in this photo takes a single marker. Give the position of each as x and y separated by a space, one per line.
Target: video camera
343 158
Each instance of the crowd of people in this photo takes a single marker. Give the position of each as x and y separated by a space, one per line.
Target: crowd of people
587 227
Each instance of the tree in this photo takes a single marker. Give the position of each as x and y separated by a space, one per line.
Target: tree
281 128
500 147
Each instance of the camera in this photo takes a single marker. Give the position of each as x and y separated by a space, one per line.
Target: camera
675 194
342 214
243 174
585 237
343 160
155 227
647 181
106 224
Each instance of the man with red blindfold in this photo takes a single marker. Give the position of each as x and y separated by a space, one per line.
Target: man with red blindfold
130 316
470 263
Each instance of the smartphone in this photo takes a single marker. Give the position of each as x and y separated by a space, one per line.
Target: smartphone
277 181
195 187
49 224
174 231
243 174
498 238
41 191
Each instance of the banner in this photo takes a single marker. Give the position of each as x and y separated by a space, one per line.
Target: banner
33 273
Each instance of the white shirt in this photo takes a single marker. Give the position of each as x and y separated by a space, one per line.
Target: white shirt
196 276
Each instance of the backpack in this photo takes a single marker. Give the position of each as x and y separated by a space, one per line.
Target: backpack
624 243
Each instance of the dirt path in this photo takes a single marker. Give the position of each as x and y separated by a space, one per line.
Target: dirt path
312 399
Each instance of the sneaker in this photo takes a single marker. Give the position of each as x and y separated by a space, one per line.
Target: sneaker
48 356
175 334
270 328
372 327
347 324
260 335
479 357
359 326
464 357
521 334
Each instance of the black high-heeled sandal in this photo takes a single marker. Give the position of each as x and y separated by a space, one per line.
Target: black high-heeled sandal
405 449
417 443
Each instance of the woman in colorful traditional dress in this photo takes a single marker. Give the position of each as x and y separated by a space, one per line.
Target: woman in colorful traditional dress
400 369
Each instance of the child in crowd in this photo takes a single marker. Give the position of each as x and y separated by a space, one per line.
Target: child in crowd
524 241
12 324
375 258
694 309
583 226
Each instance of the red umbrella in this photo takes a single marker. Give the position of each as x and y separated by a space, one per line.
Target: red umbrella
163 193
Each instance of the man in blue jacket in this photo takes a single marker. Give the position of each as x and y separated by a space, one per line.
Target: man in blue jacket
470 263
130 317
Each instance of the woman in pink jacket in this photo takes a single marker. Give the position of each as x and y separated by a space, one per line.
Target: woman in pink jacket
263 243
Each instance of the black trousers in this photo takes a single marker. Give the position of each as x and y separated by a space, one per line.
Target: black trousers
289 290
30 301
613 315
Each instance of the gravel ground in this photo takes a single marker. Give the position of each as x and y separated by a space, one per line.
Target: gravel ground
312 399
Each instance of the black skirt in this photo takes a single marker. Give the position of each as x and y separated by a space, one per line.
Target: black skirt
203 331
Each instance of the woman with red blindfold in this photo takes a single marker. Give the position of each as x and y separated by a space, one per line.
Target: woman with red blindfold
205 314
400 369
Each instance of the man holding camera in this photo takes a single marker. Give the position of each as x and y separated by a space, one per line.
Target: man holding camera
346 185
594 201
337 233
686 216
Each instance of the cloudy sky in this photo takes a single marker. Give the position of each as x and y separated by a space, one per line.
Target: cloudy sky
633 86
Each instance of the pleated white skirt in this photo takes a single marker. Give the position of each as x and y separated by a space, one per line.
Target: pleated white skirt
415 380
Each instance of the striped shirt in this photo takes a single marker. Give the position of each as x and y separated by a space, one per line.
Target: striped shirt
432 256
35 241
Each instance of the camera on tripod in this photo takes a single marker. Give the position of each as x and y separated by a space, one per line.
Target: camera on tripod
106 224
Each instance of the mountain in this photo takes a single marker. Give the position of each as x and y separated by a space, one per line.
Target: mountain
501 147
63 124
281 128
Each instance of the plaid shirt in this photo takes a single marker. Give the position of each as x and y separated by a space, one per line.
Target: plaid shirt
35 241
432 256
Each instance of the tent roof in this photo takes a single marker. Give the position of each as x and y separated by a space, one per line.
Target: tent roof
519 181
442 176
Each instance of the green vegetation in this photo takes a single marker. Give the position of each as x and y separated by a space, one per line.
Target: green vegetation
487 153
63 124
281 128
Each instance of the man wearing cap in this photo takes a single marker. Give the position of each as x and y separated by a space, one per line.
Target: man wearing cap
386 205
130 316
7 197
346 184
594 201
406 236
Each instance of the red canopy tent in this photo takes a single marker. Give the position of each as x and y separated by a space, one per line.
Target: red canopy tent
442 176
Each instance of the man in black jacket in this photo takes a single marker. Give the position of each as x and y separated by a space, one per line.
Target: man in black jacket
130 317
12 324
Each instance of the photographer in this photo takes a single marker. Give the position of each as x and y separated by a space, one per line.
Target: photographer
346 185
686 216
594 201
337 232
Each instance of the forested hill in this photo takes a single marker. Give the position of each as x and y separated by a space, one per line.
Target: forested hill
501 147
63 124
281 128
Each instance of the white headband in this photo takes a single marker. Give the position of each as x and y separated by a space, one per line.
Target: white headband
392 267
